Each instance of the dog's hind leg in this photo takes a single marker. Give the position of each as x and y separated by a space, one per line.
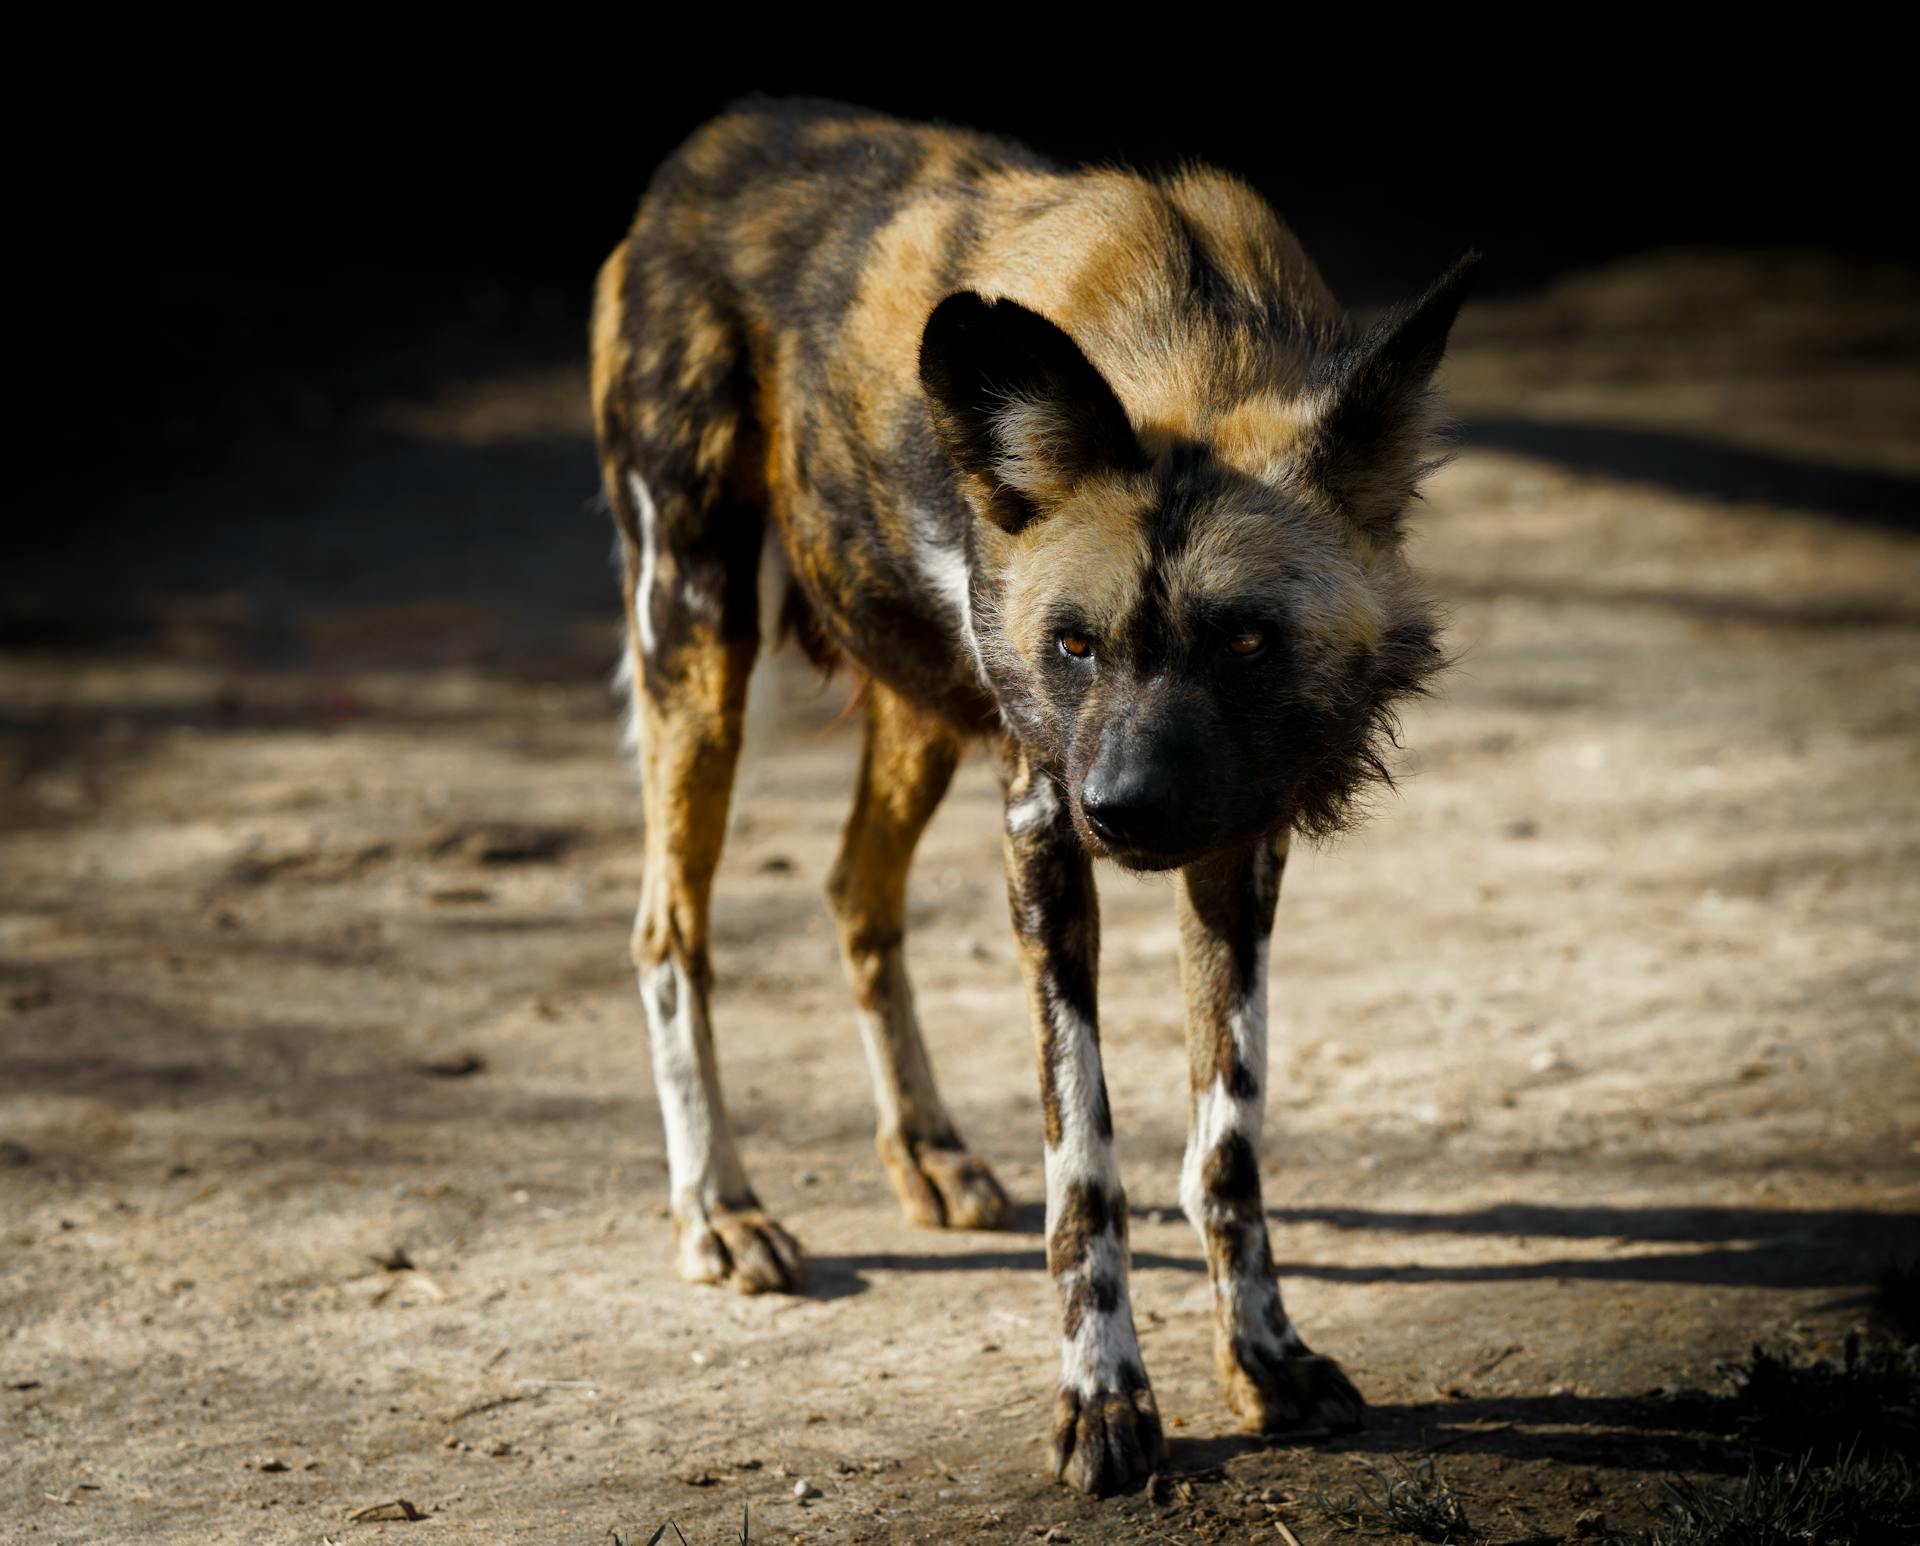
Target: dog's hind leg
905 766
672 422
1270 1379
690 740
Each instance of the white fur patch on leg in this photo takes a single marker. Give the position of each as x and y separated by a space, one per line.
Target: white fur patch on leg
874 1036
1218 1114
703 1169
1038 807
626 686
647 518
1247 1300
1104 1343
1082 1154
686 1105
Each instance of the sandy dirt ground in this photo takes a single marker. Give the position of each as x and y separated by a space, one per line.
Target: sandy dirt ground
1597 1053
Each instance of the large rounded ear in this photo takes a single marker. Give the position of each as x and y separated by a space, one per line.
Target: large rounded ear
1372 437
1020 410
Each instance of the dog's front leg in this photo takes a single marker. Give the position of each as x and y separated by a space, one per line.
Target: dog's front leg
1270 1379
1106 1429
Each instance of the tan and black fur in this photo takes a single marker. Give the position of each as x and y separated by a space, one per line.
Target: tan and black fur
1084 462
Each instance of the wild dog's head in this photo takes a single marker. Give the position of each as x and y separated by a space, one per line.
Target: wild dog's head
1202 638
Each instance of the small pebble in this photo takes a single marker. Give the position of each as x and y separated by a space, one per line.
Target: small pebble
804 1489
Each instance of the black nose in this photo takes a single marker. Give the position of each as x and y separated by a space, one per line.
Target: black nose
1130 807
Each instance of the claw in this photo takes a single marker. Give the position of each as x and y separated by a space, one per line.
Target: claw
1300 1394
742 1248
943 1187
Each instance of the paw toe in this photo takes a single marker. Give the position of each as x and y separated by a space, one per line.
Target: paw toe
745 1250
1107 1442
944 1187
970 1196
1302 1394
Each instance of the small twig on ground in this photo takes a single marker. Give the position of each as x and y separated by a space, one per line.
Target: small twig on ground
493 1403
402 1510
1487 1366
559 1384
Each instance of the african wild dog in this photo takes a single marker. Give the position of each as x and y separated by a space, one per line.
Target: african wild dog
1084 461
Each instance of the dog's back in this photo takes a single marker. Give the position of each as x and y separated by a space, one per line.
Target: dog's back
762 321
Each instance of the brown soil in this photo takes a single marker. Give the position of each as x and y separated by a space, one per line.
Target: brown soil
1597 1052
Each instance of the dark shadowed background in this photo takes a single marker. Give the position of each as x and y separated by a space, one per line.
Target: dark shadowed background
250 257
258 253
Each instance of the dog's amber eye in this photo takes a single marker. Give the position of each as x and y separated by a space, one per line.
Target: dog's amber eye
1078 645
1249 643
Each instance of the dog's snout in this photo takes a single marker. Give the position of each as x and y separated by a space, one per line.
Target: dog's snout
1130 806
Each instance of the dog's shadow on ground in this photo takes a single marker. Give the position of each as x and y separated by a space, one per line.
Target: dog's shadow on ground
1690 1432
1735 1247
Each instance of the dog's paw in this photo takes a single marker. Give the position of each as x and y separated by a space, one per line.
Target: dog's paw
1297 1393
740 1247
1108 1441
943 1187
